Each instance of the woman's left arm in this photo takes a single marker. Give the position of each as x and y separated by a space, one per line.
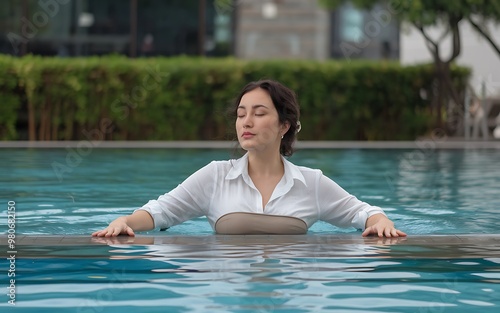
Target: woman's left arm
380 225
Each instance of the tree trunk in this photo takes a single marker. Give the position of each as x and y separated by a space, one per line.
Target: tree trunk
31 121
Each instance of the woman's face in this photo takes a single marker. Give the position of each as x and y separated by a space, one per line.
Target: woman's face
257 122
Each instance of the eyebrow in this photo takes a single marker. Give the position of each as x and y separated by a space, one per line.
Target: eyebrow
255 106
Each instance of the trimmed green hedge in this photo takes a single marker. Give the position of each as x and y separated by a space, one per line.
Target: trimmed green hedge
184 98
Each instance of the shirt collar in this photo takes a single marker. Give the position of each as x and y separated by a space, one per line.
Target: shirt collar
240 168
293 170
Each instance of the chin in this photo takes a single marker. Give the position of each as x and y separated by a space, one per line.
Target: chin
247 146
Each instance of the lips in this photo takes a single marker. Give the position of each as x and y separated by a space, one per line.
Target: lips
247 135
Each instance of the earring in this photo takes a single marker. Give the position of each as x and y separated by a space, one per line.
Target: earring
282 136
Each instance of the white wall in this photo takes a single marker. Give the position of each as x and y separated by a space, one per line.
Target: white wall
476 53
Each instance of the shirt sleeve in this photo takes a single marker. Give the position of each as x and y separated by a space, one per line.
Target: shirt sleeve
188 200
338 207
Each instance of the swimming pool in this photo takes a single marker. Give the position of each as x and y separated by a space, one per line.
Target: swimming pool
446 200
439 192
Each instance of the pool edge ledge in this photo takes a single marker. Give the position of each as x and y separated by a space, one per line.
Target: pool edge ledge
54 240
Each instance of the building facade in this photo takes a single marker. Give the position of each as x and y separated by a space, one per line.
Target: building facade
302 29
248 29
96 27
289 29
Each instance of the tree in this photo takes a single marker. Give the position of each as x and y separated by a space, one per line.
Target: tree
447 15
481 13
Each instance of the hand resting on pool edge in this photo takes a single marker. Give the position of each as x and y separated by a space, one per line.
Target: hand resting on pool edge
125 225
262 182
378 225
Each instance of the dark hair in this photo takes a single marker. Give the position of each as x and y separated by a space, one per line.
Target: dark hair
285 102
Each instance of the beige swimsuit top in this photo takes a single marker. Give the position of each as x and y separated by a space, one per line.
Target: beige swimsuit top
243 223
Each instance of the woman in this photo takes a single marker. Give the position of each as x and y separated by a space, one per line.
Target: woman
262 192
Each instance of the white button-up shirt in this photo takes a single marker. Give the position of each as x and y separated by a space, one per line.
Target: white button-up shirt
223 187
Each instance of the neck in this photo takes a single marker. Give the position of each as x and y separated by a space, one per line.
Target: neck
265 165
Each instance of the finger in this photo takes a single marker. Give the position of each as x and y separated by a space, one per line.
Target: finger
401 233
367 232
130 232
116 232
394 232
109 233
387 232
98 233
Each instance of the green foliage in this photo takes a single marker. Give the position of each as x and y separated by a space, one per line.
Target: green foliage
186 98
10 99
428 12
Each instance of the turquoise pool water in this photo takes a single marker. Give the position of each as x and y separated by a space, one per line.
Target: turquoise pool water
439 192
308 273
432 196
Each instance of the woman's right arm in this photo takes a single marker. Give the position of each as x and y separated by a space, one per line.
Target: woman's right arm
184 202
140 220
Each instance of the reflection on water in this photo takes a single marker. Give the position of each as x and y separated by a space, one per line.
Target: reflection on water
225 274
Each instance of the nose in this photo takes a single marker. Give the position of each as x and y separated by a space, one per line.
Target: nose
247 121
